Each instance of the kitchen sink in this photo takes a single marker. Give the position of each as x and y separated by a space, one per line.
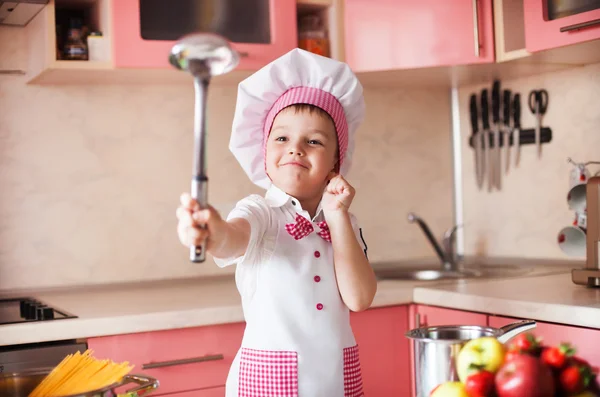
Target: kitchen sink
435 272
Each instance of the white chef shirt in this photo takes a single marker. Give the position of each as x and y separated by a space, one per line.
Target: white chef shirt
264 231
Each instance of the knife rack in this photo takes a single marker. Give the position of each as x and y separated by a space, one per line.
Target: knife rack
527 137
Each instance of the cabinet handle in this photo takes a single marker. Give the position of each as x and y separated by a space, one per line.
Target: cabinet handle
183 361
476 27
581 25
417 320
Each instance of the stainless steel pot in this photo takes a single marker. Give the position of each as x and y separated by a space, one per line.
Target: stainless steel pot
22 383
436 349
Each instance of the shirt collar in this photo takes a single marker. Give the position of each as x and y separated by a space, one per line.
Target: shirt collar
276 197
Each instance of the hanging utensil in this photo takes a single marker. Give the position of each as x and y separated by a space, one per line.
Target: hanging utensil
477 143
496 120
507 130
516 112
538 104
485 122
204 55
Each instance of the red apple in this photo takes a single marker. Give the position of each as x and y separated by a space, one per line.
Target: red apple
524 376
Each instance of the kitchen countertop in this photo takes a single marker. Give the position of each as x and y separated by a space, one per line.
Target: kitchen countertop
551 298
544 295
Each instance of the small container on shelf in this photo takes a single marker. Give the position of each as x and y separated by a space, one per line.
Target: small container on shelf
97 46
312 35
75 47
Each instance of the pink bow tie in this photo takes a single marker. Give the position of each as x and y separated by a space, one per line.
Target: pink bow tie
303 228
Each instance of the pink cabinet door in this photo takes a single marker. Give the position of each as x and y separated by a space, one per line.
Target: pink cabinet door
585 340
132 51
167 349
383 350
398 34
542 33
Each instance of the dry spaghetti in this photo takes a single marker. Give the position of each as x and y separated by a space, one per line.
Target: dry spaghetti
79 373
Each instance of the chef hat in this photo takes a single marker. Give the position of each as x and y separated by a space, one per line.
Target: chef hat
298 77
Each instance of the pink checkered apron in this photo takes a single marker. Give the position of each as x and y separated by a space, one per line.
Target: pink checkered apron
298 340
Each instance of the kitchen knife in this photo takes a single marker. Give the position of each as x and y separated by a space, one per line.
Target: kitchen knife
485 123
516 111
476 137
496 121
507 129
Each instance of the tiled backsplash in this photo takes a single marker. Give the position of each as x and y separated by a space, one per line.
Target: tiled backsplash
525 217
90 176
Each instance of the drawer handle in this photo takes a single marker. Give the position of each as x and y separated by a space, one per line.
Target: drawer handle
581 25
183 361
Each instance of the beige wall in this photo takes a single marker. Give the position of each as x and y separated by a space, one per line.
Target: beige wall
524 219
90 176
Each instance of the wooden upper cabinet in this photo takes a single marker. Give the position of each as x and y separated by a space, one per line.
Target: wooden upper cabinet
146 30
555 23
401 34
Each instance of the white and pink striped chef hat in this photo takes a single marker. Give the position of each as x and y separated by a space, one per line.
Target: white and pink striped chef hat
298 77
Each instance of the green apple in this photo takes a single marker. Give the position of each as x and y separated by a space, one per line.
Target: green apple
449 389
477 354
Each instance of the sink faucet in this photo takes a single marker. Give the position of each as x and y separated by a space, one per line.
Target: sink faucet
446 254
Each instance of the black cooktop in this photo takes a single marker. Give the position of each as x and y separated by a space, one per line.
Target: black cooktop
23 310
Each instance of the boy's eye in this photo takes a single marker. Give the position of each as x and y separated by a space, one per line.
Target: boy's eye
314 142
281 139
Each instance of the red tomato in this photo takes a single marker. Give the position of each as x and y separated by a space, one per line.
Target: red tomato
557 356
576 378
480 384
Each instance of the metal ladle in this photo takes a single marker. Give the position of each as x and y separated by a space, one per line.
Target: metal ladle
203 55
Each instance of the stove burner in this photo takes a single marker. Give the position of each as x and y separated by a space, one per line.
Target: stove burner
20 310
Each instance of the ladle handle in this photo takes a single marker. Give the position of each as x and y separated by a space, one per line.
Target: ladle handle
199 188
511 330
199 179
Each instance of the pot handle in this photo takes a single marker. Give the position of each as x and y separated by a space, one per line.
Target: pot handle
146 385
511 330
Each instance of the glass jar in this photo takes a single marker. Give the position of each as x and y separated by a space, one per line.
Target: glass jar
312 35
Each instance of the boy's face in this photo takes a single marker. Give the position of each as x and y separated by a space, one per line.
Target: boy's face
301 152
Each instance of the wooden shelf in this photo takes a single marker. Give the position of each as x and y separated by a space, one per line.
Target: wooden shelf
42 41
332 14
509 30
318 3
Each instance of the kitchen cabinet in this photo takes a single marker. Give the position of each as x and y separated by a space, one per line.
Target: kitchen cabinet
132 50
402 34
553 23
379 332
210 349
131 58
383 350
585 340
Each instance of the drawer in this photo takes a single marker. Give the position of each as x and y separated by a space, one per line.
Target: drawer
181 360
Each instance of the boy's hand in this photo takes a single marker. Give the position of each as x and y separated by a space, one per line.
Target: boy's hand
338 196
191 220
